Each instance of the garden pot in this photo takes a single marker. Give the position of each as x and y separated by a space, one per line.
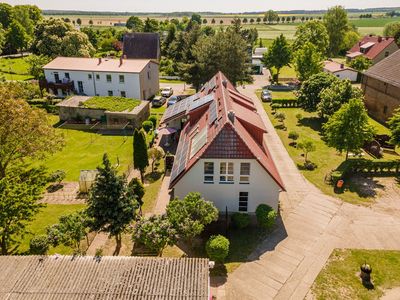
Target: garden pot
366 271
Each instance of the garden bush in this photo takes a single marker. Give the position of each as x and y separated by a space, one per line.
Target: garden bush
240 220
217 248
147 126
266 216
39 245
153 119
284 102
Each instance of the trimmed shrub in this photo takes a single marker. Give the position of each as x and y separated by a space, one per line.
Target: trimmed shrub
153 119
293 135
147 126
240 220
217 248
266 216
39 245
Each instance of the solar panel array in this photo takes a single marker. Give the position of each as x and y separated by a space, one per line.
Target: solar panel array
180 159
213 112
198 141
200 102
179 107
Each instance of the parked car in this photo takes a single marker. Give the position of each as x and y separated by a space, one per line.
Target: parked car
167 92
158 101
266 96
173 99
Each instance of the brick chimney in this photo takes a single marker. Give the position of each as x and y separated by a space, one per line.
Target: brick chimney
99 60
379 39
121 61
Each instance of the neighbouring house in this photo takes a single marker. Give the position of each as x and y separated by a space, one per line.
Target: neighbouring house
340 70
375 48
221 152
132 78
256 59
84 277
106 112
381 87
141 45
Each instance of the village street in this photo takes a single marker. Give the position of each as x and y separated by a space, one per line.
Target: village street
313 224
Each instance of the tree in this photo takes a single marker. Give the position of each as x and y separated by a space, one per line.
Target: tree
281 117
293 135
36 63
221 21
25 132
76 43
39 245
309 93
251 20
140 157
307 146
150 25
271 16
349 40
136 191
6 14
394 125
109 204
92 34
337 24
155 154
217 248
190 215
307 61
360 63
393 29
155 232
79 21
16 38
258 20
213 21
90 22
20 191
135 24
21 15
279 55
313 32
196 18
333 97
3 37
348 129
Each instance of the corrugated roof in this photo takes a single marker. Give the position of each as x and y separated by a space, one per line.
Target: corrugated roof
373 45
236 131
387 70
141 45
95 65
66 277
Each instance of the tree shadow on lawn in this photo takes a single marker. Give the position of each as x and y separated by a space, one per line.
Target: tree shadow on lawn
363 186
153 176
315 123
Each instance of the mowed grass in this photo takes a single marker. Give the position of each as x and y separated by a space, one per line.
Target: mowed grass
111 103
84 151
287 95
46 217
373 22
340 277
15 68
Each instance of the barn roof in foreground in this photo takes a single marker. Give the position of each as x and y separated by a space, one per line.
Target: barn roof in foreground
66 277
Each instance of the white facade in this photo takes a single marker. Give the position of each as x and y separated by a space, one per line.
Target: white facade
141 85
261 187
345 74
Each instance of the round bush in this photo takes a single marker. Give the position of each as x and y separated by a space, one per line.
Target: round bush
217 248
39 245
147 126
153 119
240 220
266 216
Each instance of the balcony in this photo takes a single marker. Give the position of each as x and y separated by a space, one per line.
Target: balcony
64 85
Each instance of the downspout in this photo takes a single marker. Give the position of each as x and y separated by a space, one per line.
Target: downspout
94 84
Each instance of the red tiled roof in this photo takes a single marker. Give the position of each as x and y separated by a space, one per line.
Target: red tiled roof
237 132
379 44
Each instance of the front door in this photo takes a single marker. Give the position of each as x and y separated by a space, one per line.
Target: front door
80 87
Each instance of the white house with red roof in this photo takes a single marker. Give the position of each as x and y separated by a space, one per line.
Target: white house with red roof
340 70
221 152
375 48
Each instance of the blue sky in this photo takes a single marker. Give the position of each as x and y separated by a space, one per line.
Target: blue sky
203 5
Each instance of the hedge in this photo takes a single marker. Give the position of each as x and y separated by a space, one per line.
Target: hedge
285 102
39 245
266 216
240 220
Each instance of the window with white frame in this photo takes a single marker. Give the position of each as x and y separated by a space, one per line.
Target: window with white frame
208 172
108 77
121 79
243 201
123 94
97 76
226 172
244 173
110 93
90 76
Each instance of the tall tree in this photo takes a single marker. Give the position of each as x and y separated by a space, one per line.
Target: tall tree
348 129
337 24
313 32
36 63
109 204
20 191
279 55
135 24
394 125
307 61
271 16
6 14
17 39
393 29
140 157
76 44
136 191
360 63
22 16
25 132
150 25
350 39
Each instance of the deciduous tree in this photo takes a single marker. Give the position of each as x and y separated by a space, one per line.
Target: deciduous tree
135 24
307 61
313 32
337 24
360 63
393 29
394 125
279 55
307 146
140 156
271 16
36 63
155 154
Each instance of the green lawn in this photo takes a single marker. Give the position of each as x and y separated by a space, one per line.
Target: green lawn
152 187
374 22
111 103
326 158
14 68
339 279
46 217
287 95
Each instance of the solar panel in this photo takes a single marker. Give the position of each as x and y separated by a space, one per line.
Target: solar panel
200 102
198 141
180 159
177 108
213 112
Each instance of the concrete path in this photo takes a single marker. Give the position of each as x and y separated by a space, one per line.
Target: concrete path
163 197
68 194
313 224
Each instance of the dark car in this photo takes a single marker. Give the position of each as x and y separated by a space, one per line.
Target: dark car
173 99
266 96
158 101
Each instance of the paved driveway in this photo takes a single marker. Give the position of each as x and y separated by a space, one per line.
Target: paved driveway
286 264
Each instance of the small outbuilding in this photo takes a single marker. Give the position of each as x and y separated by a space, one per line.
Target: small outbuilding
340 70
256 59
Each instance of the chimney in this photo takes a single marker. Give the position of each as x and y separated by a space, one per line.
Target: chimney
379 39
99 60
342 66
231 116
121 61
225 83
124 56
